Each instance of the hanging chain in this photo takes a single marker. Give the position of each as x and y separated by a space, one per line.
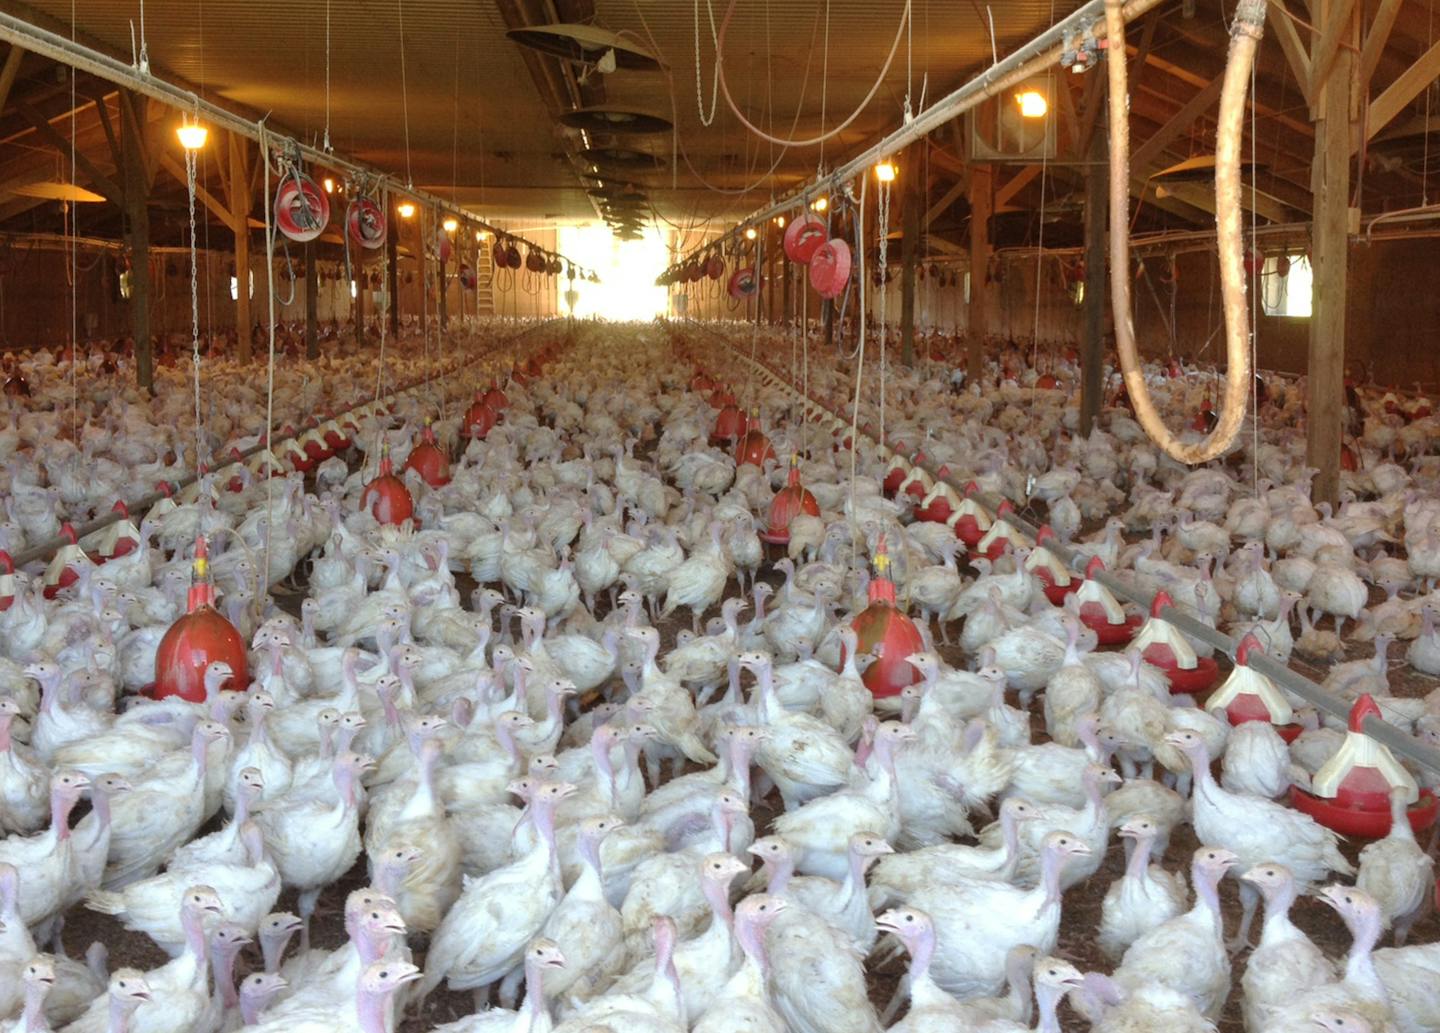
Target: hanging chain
883 218
194 307
715 85
328 148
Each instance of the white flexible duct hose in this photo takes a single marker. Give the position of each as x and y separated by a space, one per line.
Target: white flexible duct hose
1245 33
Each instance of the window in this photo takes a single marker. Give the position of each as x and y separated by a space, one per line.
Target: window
1286 285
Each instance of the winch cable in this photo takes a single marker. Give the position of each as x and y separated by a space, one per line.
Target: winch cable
1245 33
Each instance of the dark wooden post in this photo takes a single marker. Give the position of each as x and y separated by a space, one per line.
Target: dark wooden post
240 188
133 110
1097 214
312 303
982 185
909 253
392 270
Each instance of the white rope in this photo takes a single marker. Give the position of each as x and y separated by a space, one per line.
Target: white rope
262 576
404 94
385 275
194 310
859 372
327 77
884 248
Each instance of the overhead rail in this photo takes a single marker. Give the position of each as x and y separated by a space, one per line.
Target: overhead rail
44 550
48 44
1029 60
1379 730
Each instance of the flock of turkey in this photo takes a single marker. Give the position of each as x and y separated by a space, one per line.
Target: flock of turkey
575 749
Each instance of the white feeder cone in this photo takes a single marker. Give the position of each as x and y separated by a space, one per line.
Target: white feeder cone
1160 632
1245 681
917 476
1000 530
259 459
106 539
1043 557
942 491
1092 591
7 586
161 509
969 507
68 556
1358 750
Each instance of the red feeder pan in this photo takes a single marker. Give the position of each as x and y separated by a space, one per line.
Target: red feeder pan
196 640
970 520
720 398
938 506
1158 651
895 476
1247 695
496 399
884 624
1352 790
428 461
386 498
64 569
1046 566
788 503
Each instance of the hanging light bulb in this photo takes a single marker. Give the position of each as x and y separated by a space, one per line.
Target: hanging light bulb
481 236
329 184
1032 104
750 233
820 204
780 221
885 172
192 135
451 224
406 209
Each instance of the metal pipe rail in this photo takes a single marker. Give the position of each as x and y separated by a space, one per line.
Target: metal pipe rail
1290 680
1034 57
30 37
44 550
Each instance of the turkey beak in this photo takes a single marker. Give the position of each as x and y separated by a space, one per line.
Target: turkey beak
409 976
1176 740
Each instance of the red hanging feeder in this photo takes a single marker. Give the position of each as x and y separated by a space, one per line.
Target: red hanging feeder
496 398
788 503
882 623
1351 792
720 398
804 236
7 581
386 498
1101 612
754 447
830 268
1162 645
701 383
302 211
1247 695
1046 566
479 420
428 460
196 640
69 560
730 425
743 283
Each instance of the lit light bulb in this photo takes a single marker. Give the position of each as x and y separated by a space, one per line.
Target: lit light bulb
451 224
885 172
1032 104
329 184
750 233
780 221
480 235
192 135
406 209
820 204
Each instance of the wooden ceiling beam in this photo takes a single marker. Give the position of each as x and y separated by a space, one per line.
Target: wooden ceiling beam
1375 39
1322 57
957 190
1016 183
1296 55
9 72
1398 95
1143 158
209 200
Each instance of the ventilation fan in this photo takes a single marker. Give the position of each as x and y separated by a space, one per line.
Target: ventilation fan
1001 130
587 44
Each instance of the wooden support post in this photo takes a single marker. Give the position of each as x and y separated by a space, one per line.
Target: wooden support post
982 183
137 224
827 320
444 302
1097 215
239 192
785 277
359 282
914 197
312 303
1330 248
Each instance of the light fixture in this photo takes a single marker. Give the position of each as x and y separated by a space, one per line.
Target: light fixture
780 221
406 209
481 236
451 224
1032 104
885 172
192 135
820 204
750 233
329 184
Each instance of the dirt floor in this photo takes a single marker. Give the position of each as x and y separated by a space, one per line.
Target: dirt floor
1081 914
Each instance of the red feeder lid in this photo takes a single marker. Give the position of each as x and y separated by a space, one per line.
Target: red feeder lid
197 639
730 424
754 447
428 460
882 623
386 497
788 503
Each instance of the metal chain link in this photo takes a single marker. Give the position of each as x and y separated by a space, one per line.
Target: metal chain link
194 307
